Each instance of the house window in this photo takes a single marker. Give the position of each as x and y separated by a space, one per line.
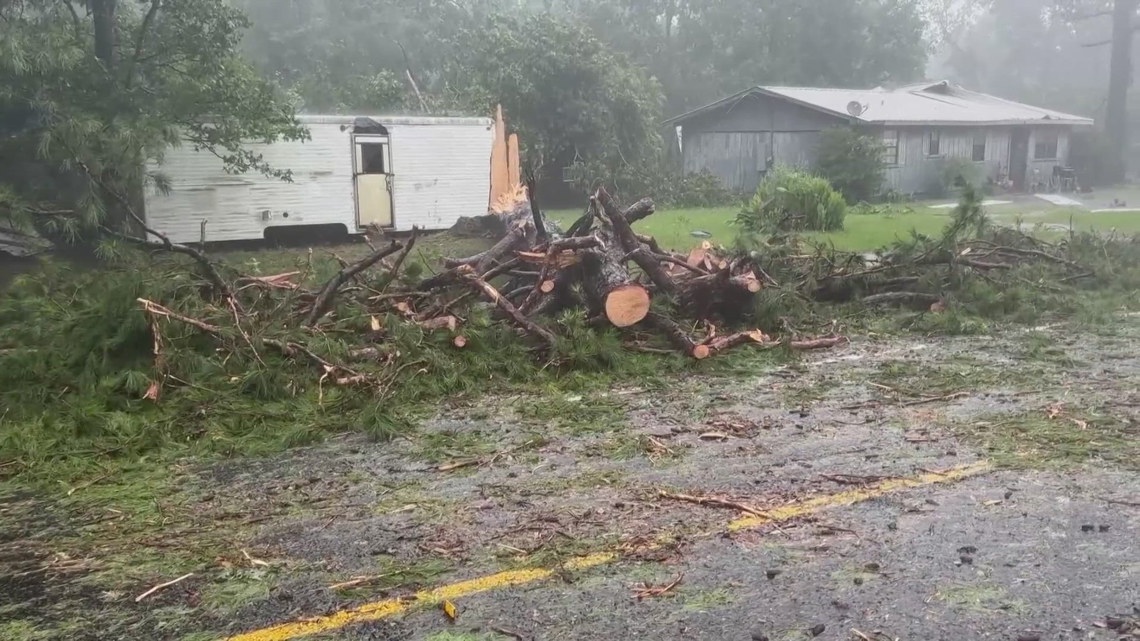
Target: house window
891 147
934 143
1045 145
979 153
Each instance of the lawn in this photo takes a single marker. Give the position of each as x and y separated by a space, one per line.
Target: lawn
674 228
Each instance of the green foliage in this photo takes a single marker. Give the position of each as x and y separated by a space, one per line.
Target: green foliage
77 360
953 174
337 55
670 189
793 200
852 161
571 98
77 129
1091 155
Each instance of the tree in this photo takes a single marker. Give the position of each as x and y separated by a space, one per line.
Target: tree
88 100
571 98
336 55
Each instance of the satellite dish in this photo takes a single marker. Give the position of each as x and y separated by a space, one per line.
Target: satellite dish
855 108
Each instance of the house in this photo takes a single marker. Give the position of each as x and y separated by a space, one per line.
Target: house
393 172
741 137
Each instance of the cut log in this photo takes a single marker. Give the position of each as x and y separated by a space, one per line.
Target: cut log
627 305
609 288
717 295
623 233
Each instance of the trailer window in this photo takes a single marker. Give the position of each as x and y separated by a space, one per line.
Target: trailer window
373 158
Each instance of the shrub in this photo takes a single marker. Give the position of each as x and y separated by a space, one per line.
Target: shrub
791 200
853 162
952 175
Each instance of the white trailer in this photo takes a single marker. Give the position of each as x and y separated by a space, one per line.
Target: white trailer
355 172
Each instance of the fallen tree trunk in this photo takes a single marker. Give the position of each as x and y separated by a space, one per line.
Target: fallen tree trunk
610 290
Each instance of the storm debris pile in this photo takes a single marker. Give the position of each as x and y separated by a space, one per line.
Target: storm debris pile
599 271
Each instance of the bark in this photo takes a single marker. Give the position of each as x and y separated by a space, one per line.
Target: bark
717 295
677 336
1120 80
103 14
623 233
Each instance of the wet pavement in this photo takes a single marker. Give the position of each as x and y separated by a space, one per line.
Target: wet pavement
832 522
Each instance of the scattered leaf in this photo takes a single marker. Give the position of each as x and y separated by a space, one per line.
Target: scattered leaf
449 610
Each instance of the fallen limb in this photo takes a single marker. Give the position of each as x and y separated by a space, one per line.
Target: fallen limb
162 586
711 501
717 345
358 581
328 292
819 343
468 274
153 308
623 233
290 349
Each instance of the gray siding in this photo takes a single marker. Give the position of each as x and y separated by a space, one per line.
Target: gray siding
735 142
1044 166
738 158
918 172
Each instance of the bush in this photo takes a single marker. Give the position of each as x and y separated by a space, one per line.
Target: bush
701 189
791 200
853 162
953 174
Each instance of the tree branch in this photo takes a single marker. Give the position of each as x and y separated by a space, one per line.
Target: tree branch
141 39
328 292
212 274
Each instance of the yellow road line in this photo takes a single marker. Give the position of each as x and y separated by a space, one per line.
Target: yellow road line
391 607
807 506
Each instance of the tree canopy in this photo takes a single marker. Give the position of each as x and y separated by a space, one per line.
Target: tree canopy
89 97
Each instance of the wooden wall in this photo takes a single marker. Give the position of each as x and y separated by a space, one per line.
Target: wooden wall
736 141
918 172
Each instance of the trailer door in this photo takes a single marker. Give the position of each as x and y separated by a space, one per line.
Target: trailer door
373 177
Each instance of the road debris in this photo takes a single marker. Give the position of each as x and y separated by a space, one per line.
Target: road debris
646 591
163 586
711 501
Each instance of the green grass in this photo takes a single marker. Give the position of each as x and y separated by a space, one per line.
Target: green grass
1072 438
673 227
865 232
984 598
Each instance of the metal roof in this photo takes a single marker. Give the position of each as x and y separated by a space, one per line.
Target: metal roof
940 103
319 119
